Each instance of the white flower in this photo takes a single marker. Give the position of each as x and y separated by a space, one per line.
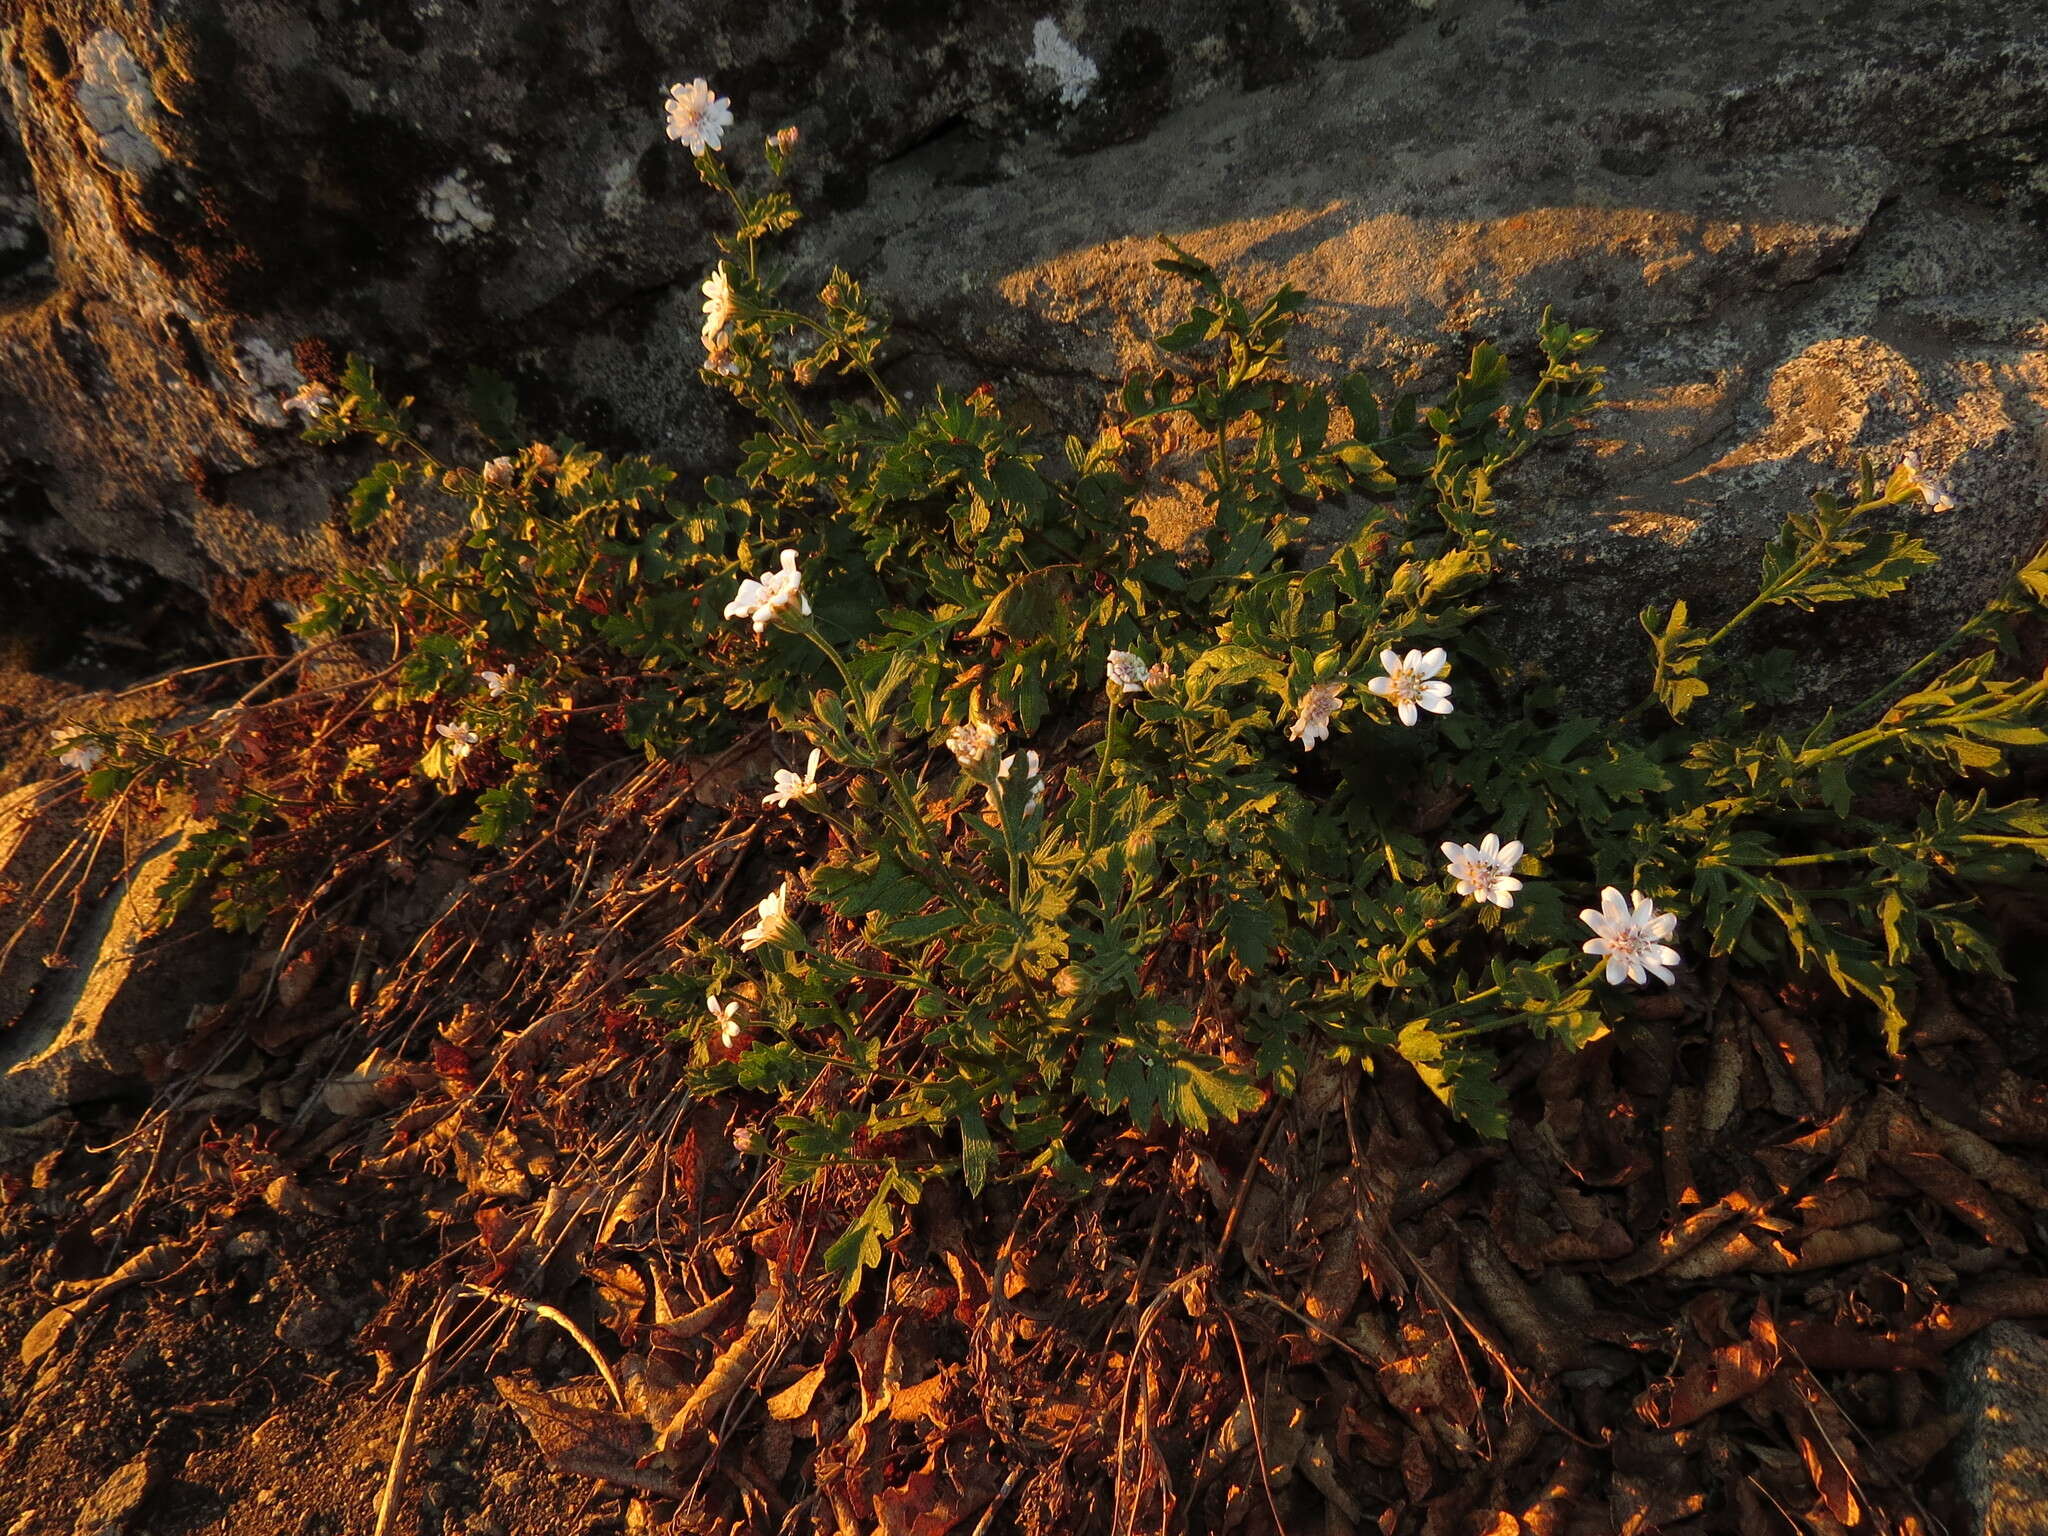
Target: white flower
696 117
498 682
1631 935
764 600
499 472
1408 685
1127 671
1936 494
972 742
727 1016
1159 676
720 358
718 306
772 924
84 757
1485 873
460 738
312 400
1032 779
789 788
1312 718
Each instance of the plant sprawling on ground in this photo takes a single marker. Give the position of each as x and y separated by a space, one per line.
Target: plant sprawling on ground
1092 826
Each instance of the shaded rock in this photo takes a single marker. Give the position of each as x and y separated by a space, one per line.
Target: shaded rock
1753 203
97 1027
2000 1380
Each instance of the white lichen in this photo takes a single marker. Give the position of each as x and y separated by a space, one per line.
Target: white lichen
118 102
1072 70
455 211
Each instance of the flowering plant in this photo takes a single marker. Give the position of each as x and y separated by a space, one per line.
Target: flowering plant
1095 829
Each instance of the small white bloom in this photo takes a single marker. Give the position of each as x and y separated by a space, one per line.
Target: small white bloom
772 924
1409 684
312 400
1485 873
697 117
1312 718
1160 674
498 682
766 598
789 788
727 1016
972 742
749 1142
460 738
499 472
718 306
84 757
1936 494
1631 934
1034 781
1127 671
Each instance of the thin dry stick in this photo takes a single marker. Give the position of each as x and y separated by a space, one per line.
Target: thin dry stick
563 1321
387 1501
1258 1436
981 1526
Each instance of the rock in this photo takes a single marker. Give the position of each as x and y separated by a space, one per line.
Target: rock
1760 207
232 196
1808 231
114 1504
94 1029
2000 1380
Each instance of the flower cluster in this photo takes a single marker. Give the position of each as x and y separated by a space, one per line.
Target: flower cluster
765 598
791 789
1312 717
720 310
773 925
1410 684
73 753
1486 872
970 744
1033 779
1631 934
460 738
726 1016
697 117
1934 491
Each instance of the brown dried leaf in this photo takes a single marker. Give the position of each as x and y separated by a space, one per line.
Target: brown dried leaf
1725 1061
1838 1203
1727 1375
1688 1235
794 1400
1845 1245
728 1373
579 1432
